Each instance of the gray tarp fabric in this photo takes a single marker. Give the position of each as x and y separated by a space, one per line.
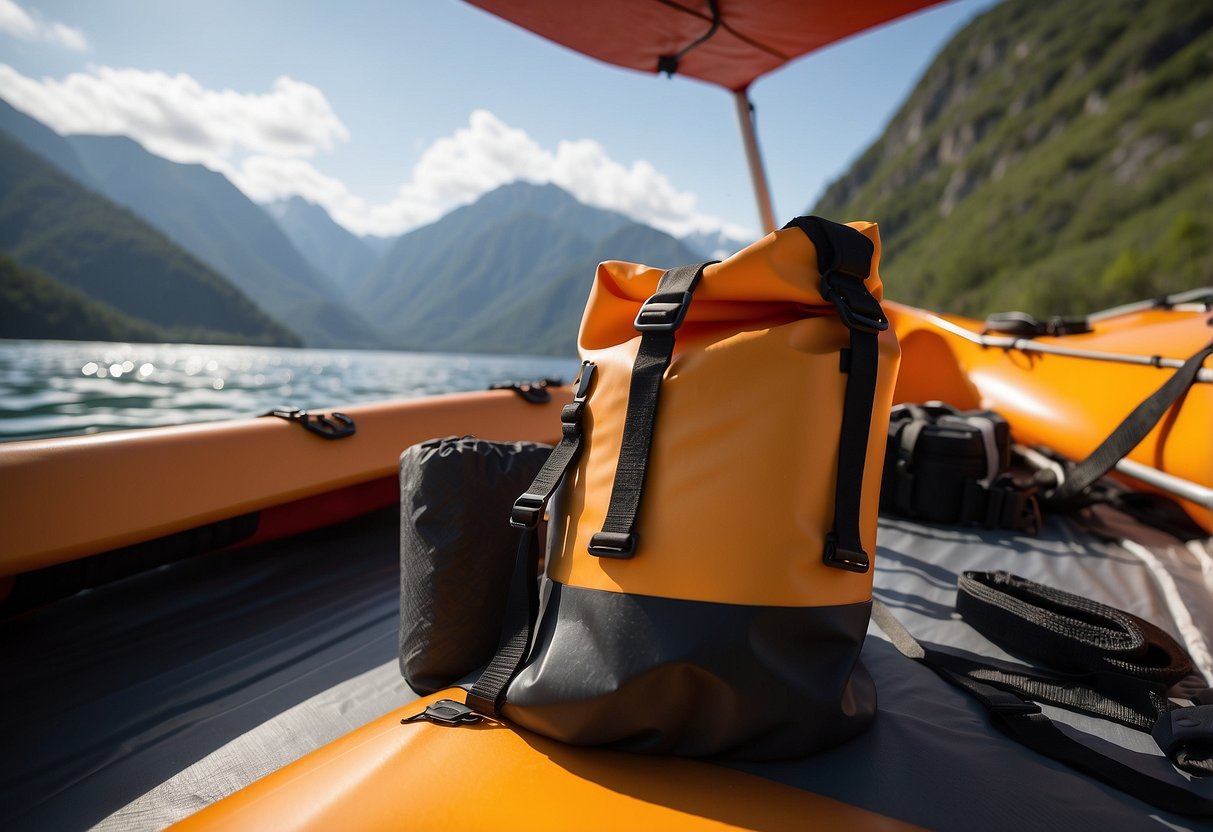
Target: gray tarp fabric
133 705
108 694
932 757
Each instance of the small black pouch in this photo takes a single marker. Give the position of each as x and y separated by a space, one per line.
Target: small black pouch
456 552
944 465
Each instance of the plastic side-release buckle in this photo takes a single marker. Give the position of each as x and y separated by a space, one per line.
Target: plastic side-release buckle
528 511
585 378
446 712
1186 736
840 558
663 312
612 545
855 304
572 413
529 508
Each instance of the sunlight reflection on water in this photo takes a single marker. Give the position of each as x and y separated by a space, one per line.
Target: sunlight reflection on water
57 388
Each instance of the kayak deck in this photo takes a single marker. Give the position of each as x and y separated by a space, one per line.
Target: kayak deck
138 703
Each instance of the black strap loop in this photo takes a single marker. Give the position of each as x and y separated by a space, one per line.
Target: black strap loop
844 261
658 321
1129 433
1005 692
1066 631
522 604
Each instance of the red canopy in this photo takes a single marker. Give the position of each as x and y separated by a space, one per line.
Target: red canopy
749 38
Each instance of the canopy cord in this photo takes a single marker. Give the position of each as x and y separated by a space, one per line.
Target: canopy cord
669 63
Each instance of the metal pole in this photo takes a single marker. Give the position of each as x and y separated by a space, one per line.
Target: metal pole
758 175
1008 342
1194 492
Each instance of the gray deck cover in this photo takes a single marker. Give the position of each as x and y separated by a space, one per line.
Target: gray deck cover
131 706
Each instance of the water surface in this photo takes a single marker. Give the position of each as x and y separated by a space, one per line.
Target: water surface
60 388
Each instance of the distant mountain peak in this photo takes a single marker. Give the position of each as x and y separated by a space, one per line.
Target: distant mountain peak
296 205
278 207
328 246
507 273
715 245
544 198
43 141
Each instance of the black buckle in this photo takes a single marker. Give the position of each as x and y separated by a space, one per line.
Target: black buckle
857 308
335 426
663 312
1010 705
534 392
585 377
570 418
527 511
573 412
612 545
846 559
1188 730
446 712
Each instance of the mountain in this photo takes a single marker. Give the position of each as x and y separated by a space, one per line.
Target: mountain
1055 158
50 222
35 136
502 261
379 246
328 247
713 245
33 305
544 320
508 273
209 217
407 269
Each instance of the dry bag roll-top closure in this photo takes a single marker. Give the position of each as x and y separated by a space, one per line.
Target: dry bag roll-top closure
708 571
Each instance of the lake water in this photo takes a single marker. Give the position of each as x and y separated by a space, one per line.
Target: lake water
60 388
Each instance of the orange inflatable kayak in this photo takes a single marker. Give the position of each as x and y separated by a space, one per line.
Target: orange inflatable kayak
1068 392
490 776
203 683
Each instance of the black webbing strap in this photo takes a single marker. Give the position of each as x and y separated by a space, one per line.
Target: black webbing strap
522 604
1068 632
844 260
518 628
1129 433
658 321
1009 692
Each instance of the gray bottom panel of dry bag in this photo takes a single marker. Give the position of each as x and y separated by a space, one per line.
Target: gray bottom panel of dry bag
456 552
667 676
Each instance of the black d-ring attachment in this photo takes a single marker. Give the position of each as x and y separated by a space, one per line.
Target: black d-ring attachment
535 392
446 712
333 426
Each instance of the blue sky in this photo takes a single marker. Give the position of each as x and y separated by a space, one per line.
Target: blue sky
391 113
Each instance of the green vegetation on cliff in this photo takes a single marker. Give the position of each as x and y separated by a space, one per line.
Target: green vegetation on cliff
50 222
33 305
1055 158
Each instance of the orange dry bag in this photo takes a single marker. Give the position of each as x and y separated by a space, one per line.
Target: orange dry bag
708 580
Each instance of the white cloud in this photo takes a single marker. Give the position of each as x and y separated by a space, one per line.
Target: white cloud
488 153
176 117
264 144
19 23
